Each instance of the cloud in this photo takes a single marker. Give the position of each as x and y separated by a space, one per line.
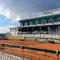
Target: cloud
8 13
21 9
6 29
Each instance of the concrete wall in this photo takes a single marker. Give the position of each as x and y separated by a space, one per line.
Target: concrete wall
14 31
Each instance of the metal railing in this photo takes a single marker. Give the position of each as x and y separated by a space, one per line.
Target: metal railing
57 52
31 48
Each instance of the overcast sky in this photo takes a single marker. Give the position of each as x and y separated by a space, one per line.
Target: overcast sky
13 10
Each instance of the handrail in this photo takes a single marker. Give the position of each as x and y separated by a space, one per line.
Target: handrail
31 48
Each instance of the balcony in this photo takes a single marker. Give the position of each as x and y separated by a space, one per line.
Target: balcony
45 24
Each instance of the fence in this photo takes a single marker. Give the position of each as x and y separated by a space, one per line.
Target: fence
26 52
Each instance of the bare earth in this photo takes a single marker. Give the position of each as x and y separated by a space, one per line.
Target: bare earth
31 54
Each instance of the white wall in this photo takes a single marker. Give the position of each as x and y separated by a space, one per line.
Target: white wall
14 31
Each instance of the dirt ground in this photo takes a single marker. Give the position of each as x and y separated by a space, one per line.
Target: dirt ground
31 54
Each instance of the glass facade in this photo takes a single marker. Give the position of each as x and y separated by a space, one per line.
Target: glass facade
58 19
31 23
25 23
40 20
49 29
51 20
36 22
43 21
21 24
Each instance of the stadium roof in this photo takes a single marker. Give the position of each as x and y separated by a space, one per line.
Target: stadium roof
44 13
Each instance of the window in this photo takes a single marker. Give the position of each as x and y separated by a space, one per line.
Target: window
31 23
21 24
43 21
58 19
26 23
37 22
51 20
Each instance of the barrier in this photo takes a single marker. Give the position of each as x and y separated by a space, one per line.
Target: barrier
36 49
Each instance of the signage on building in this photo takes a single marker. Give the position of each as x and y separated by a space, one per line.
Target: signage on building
49 12
44 13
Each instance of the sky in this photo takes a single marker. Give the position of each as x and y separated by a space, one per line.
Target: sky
11 11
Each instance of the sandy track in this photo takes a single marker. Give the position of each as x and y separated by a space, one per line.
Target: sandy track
30 54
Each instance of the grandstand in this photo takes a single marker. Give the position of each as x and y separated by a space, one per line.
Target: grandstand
24 42
43 26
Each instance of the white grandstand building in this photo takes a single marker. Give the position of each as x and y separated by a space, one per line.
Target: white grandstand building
44 25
